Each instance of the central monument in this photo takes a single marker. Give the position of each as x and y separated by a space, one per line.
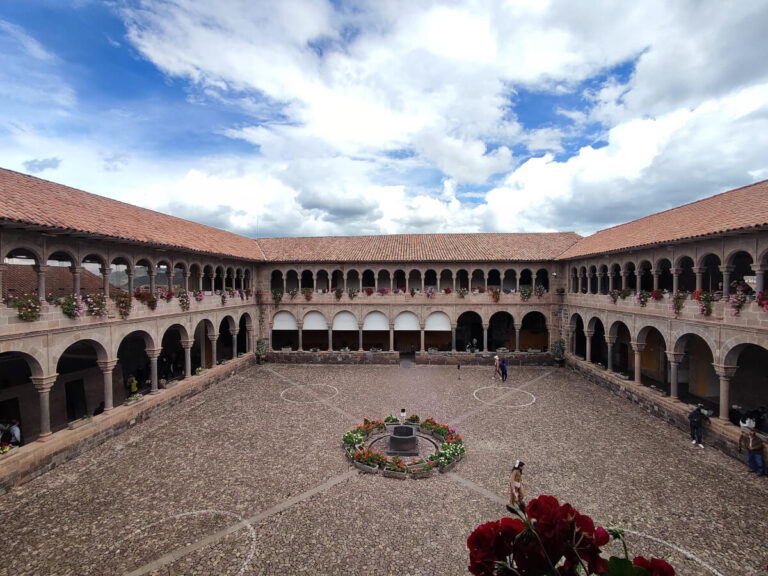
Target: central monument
403 441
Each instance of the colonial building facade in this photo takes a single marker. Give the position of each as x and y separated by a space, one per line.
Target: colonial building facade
622 300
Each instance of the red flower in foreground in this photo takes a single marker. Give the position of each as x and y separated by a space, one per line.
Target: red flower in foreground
490 542
655 566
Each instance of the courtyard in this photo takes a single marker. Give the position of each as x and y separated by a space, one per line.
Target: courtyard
249 477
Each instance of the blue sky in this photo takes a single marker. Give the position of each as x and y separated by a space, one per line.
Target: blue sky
337 118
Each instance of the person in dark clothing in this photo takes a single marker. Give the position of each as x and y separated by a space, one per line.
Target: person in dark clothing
503 369
696 419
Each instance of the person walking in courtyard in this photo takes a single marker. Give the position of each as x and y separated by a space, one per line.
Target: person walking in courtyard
696 419
503 369
496 367
754 451
516 492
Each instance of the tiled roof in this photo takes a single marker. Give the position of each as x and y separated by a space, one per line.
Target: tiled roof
419 248
22 279
741 209
29 200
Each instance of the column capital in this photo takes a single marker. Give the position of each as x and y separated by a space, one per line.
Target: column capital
674 357
724 371
151 272
153 353
756 268
107 365
213 337
699 269
106 270
727 269
235 331
44 383
638 346
675 270
589 333
187 343
610 340
40 268
75 269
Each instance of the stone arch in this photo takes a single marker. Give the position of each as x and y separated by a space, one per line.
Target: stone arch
346 330
376 331
462 279
446 279
542 278
696 373
749 384
501 331
79 385
578 344
603 279
99 342
469 331
307 280
598 344
244 333
430 278
62 250
509 281
315 331
618 280
653 357
592 287
712 274
284 331
663 269
437 331
20 399
414 279
534 332
170 363
622 355
699 331
644 268
226 339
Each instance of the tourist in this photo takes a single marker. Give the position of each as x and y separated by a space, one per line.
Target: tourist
503 369
754 451
132 384
458 369
516 492
496 367
696 419
11 433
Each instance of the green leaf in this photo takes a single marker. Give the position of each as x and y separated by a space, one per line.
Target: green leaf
624 567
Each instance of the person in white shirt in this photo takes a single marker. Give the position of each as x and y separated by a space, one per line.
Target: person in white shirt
11 433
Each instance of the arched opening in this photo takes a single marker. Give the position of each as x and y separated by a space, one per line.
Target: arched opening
346 332
653 359
179 281
170 363
437 331
385 282
219 278
118 276
646 278
697 380
630 276
202 351
542 278
337 280
132 361
323 281
314 333
353 280
59 281
592 279
526 279
229 278
478 280
238 278
20 277
501 332
574 280
446 280
244 330
247 279
712 276
369 279
621 351
224 343
407 333
208 275
742 278
602 279
534 334
494 278
469 332
584 277
291 280
307 280
664 269
285 332
430 279
18 398
462 280
509 284
163 276
414 280
399 280
598 346
195 277
79 387
92 276
686 279
579 337
618 283
749 385
276 280
376 331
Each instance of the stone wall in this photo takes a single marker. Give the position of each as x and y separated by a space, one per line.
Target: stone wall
484 358
334 357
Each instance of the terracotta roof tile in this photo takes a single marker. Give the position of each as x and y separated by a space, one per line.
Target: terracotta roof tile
419 248
740 209
29 200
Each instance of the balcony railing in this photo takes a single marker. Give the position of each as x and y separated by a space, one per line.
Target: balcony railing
391 298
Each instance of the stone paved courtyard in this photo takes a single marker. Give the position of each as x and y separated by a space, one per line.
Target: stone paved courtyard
249 477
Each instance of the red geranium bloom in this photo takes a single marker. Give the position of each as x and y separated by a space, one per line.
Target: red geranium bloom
655 566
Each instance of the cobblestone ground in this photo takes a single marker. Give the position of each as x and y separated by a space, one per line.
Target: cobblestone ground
249 478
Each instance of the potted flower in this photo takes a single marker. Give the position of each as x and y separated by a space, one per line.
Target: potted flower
134 398
307 294
368 461
539 290
736 302
495 294
199 370
395 468
390 421
277 296
352 292
642 298
525 293
462 292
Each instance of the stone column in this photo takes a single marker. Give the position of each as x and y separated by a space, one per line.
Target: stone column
600 276
330 338
623 281
638 280
485 337
638 348
609 344
107 366
392 336
234 333
453 338
152 275
725 373
43 385
699 271
675 279
581 282
130 283
454 288
2 269
187 274
200 280
421 332
76 279
611 277
169 278
285 282
376 282
588 334
516 332
655 280
212 339
590 280
485 277
360 337
187 345
517 282
674 363
105 272
153 355
726 280
41 270
756 268
300 326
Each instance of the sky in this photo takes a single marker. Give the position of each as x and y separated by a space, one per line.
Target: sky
328 118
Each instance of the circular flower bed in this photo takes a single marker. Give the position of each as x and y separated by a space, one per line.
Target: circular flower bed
450 448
